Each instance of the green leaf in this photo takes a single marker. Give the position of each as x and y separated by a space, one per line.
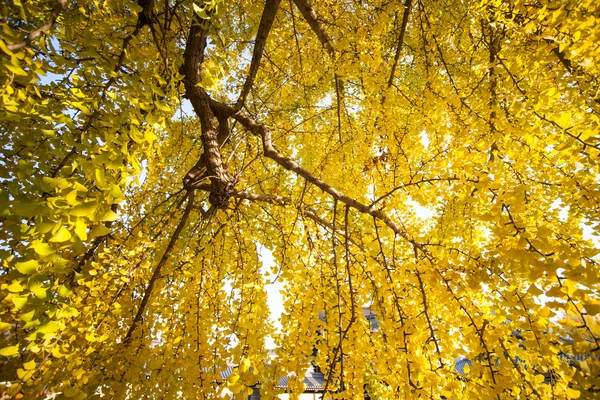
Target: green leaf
54 182
44 227
71 392
28 209
135 7
79 187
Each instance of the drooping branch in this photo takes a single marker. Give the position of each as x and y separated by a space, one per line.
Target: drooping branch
407 7
165 257
266 22
338 348
397 301
432 335
517 367
480 331
343 331
36 34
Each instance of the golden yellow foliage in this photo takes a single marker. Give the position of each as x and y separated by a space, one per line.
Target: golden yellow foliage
434 160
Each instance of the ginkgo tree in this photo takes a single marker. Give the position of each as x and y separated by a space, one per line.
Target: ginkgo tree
434 160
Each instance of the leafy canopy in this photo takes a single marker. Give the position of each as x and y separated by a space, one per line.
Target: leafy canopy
434 160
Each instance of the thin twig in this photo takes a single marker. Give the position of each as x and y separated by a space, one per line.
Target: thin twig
36 34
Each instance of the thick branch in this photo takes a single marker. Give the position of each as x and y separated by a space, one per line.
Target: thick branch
192 70
165 257
197 173
407 6
264 132
266 22
36 34
310 16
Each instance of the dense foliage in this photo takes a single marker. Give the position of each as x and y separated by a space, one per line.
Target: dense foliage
436 160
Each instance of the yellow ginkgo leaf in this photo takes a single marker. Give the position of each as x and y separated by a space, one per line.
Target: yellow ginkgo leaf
81 229
61 235
27 267
9 351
